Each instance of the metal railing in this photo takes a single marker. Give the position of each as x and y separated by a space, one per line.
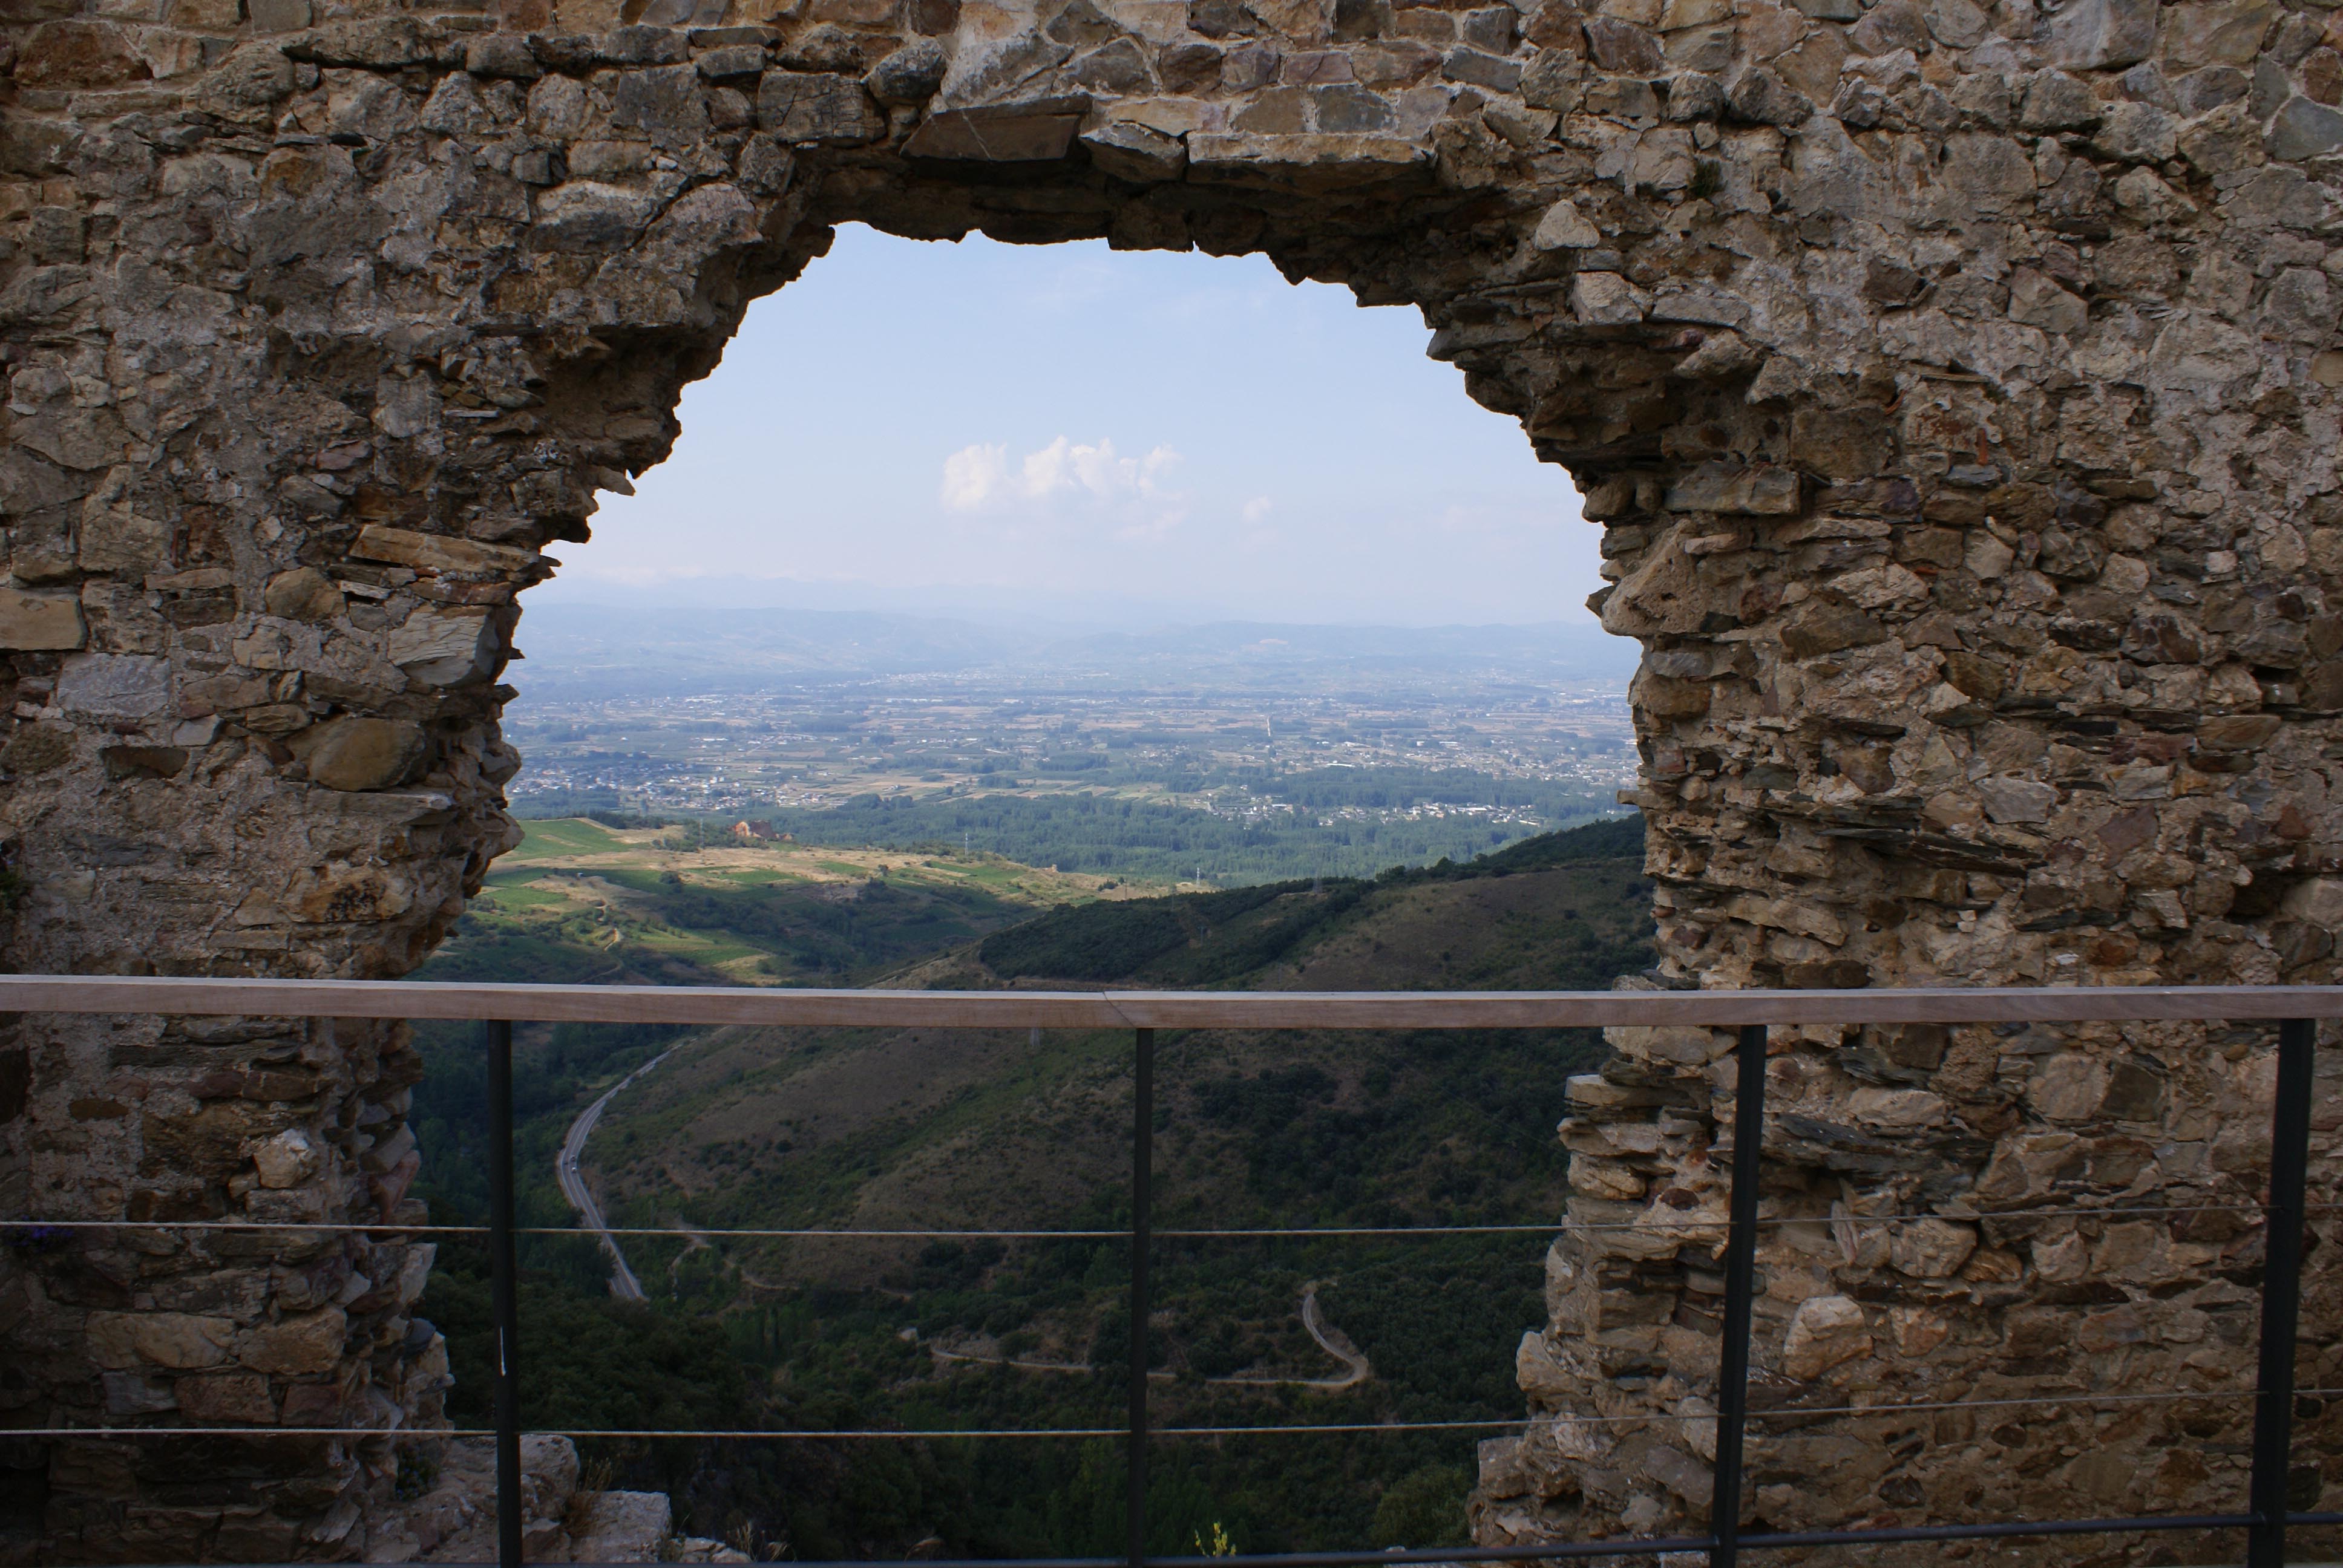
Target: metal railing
2297 1011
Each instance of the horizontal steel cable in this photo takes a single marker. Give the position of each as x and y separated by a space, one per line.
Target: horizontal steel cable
824 1435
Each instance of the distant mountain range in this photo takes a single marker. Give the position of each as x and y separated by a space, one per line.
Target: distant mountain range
586 651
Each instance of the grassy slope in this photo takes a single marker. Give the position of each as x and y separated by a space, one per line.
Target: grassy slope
579 901
956 1129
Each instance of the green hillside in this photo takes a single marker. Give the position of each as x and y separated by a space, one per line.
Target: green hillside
1003 1130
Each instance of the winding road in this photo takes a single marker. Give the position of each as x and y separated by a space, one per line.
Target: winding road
1331 1340
623 1284
1335 1344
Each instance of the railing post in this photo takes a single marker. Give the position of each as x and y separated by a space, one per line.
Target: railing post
2297 1040
1740 1288
507 1303
1142 1183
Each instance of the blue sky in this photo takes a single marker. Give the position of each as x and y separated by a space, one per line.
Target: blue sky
1075 433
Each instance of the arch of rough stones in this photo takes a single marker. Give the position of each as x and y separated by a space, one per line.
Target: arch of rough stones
1958 390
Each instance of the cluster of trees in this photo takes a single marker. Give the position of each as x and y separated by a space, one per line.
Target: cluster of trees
1191 940
886 924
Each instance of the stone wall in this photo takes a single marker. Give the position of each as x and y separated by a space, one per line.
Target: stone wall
1956 385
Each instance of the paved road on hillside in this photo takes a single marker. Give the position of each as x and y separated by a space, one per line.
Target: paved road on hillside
1335 1344
623 1284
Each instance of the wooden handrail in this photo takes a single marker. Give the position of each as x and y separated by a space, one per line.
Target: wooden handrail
1153 1008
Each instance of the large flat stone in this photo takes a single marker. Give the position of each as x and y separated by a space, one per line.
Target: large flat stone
962 136
624 1527
357 753
2093 35
40 621
115 686
437 552
442 647
1308 163
1137 152
1758 491
818 107
2304 129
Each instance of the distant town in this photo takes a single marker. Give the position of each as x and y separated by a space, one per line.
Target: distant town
810 748
1225 753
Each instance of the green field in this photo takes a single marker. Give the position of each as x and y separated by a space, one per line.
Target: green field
543 840
576 896
1234 824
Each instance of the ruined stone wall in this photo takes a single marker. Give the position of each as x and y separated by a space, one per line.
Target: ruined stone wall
1956 385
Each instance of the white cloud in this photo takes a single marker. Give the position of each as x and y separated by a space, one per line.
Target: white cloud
1258 508
974 477
978 477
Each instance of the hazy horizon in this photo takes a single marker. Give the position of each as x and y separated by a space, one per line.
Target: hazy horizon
577 651
1079 615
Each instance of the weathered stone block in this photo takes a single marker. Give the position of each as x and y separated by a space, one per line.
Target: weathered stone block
1136 153
1825 1332
2238 731
296 1347
278 16
2016 799
1565 227
78 55
2197 36
1314 164
1743 491
303 594
2095 35
115 686
180 1340
625 1526
289 1159
225 1398
912 75
443 647
592 216
1481 70
994 137
363 753
501 55
2137 133
438 552
1607 299
34 621
129 1393
2304 129
1829 627
827 110
1932 1250
1623 47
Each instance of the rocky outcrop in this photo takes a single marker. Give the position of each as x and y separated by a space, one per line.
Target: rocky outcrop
1956 385
452 1517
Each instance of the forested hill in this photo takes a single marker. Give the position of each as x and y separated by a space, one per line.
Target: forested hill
945 1128
1537 936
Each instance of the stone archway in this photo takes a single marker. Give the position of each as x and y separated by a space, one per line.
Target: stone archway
1956 386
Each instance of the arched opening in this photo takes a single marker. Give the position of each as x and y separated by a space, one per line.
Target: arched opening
1240 462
